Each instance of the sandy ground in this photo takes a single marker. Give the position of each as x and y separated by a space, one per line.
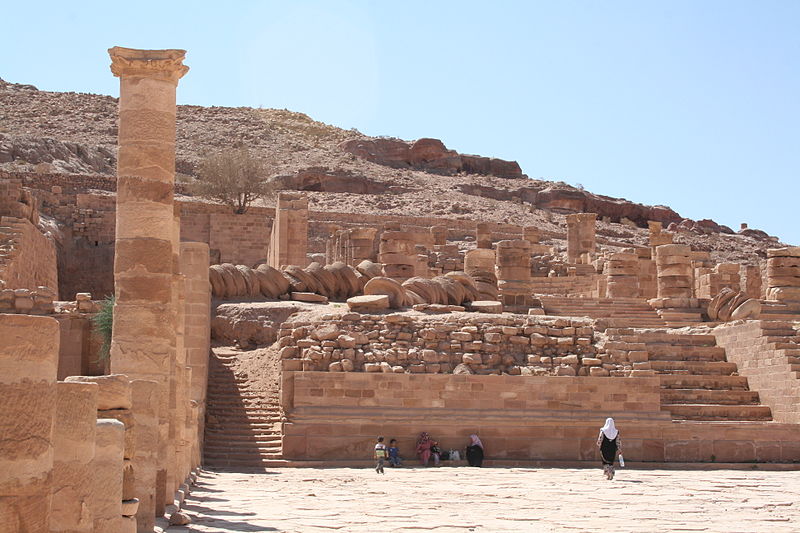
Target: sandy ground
494 499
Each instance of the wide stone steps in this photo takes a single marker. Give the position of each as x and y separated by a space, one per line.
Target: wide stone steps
718 412
694 367
620 312
709 396
676 339
701 381
697 381
663 352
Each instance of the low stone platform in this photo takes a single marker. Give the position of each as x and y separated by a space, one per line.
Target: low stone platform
493 499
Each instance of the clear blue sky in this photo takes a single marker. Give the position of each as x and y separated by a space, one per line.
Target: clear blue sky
691 104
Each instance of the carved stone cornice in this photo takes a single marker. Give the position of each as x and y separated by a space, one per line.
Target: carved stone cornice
164 65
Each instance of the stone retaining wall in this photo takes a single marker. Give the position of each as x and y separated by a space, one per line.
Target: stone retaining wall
338 416
456 342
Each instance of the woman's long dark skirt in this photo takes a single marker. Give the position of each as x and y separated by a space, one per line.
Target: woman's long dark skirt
474 455
608 450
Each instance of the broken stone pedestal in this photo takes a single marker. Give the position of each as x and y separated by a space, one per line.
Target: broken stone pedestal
107 475
74 449
28 367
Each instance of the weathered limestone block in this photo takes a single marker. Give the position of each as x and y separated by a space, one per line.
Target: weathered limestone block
581 237
114 391
74 448
657 234
368 302
28 367
107 475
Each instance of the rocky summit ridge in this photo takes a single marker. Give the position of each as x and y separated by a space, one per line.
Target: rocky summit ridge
343 170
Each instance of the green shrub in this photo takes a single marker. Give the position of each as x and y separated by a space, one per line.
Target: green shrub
102 323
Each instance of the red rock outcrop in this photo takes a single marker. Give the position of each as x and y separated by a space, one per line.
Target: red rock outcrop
430 155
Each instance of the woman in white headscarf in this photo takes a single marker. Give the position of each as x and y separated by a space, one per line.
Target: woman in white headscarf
609 443
474 451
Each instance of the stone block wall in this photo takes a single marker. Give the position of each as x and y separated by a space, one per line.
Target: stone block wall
28 302
27 257
471 392
527 419
459 342
239 239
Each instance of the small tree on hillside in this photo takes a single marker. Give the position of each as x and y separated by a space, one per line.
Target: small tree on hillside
233 177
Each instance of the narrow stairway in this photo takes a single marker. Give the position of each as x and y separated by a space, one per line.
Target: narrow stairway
243 425
697 381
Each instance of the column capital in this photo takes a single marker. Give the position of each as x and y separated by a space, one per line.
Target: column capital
164 65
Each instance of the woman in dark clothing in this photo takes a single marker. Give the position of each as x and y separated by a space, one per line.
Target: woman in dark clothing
475 451
609 443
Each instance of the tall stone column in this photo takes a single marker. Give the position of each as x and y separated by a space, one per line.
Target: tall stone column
197 334
479 263
288 243
783 274
581 237
28 366
622 269
398 253
178 390
143 342
514 272
751 280
674 270
76 418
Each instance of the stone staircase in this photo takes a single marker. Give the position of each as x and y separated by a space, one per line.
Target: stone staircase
783 340
243 426
781 311
619 312
697 381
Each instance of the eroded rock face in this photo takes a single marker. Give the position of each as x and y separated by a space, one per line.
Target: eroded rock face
56 155
251 324
331 180
429 155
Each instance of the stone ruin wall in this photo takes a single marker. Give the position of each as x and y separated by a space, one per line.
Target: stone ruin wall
27 255
451 343
335 416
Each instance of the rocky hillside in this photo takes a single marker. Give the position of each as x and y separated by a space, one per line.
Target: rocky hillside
343 170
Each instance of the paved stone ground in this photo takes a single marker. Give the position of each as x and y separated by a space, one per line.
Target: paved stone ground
494 499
